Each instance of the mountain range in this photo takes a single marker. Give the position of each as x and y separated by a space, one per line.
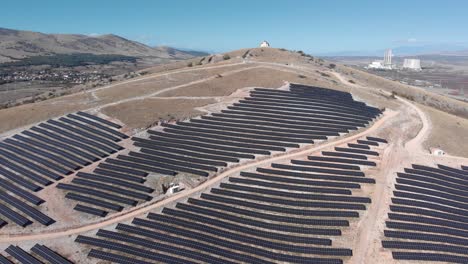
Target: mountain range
19 44
409 50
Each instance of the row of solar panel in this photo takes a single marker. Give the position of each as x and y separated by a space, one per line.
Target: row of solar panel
310 110
261 215
42 253
431 201
114 184
45 153
331 121
279 208
342 101
294 195
282 170
160 221
286 103
317 103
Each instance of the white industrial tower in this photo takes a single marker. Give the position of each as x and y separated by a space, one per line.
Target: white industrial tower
388 58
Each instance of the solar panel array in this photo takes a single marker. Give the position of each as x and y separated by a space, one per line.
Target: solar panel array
273 215
40 254
44 154
202 147
428 219
110 187
257 125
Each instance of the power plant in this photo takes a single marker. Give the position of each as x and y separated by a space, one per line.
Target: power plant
386 63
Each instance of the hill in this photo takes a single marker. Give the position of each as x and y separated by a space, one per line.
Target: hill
18 44
267 146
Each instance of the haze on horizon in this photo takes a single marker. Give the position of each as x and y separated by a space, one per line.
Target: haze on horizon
317 27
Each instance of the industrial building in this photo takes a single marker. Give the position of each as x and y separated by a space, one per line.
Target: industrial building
386 64
412 64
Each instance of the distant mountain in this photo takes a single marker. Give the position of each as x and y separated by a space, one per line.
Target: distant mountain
412 50
18 44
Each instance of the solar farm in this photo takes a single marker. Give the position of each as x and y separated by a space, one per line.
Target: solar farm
295 174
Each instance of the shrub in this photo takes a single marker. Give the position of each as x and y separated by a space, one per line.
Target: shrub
302 76
190 64
282 49
325 74
351 81
332 66
226 57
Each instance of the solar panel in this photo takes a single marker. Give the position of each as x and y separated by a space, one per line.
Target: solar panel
205 149
134 251
381 140
4 260
279 208
98 126
289 187
117 175
26 209
93 201
107 256
98 119
53 149
113 189
340 160
14 216
297 181
49 255
316 176
104 179
21 255
230 136
62 145
20 192
146 148
96 193
90 210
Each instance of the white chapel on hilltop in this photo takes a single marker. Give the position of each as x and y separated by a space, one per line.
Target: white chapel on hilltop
264 44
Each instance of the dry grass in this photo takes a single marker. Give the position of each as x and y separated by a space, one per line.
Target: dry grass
15 117
258 77
449 132
144 113
149 86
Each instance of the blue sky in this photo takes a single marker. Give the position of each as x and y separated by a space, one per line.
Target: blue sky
313 26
